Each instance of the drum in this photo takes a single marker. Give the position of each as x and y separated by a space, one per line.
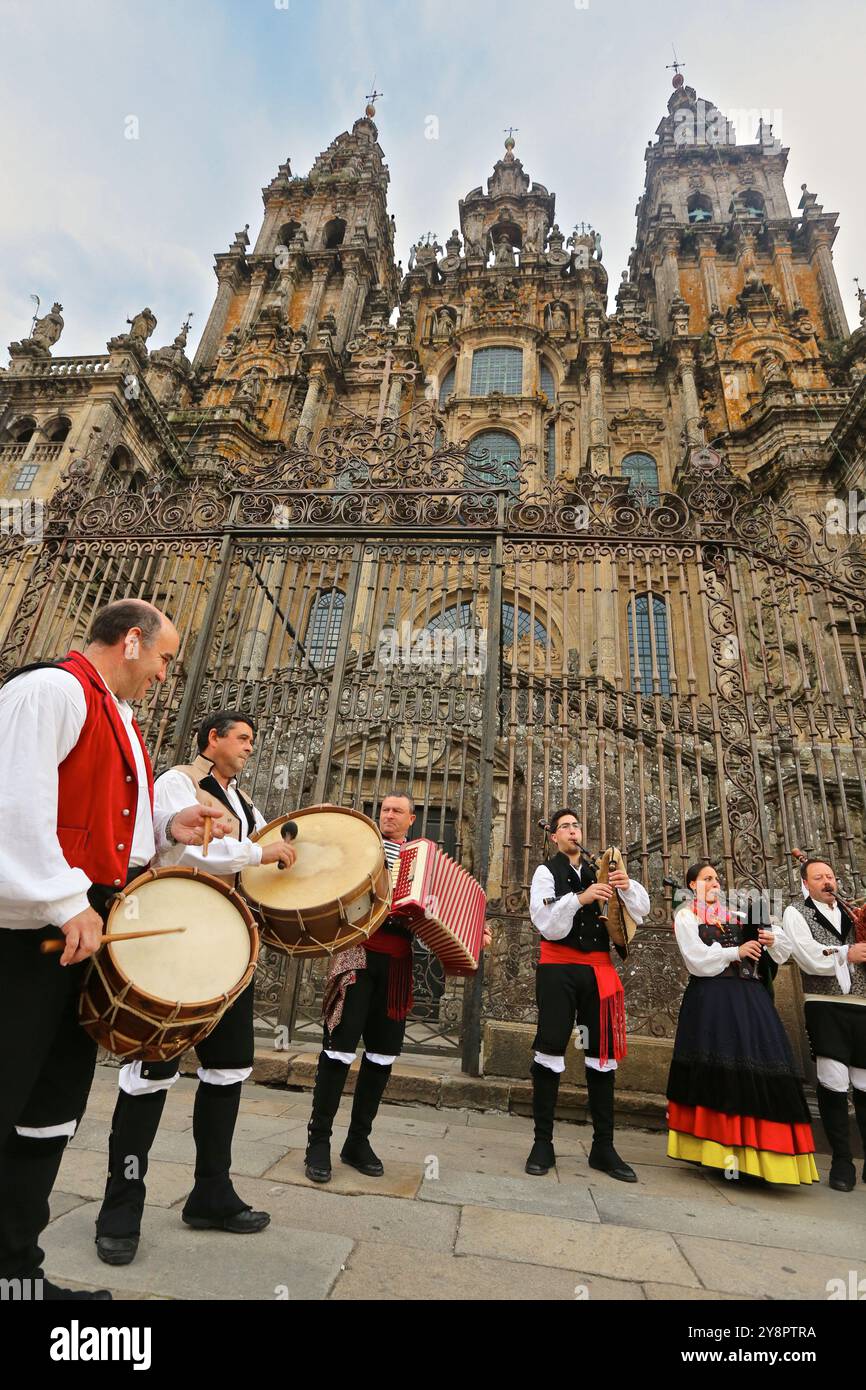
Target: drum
152 999
336 894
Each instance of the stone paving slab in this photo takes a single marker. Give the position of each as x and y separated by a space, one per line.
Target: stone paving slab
770 1272
673 1293
175 1262
62 1202
391 1273
381 1219
543 1196
596 1249
399 1180
687 1216
83 1172
652 1181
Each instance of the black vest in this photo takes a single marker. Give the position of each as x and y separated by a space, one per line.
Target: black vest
588 932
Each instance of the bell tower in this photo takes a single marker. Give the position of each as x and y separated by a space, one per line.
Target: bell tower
273 351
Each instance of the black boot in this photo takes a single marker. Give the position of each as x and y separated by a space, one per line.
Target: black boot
28 1172
603 1155
860 1112
330 1080
133 1129
369 1089
545 1089
213 1203
833 1109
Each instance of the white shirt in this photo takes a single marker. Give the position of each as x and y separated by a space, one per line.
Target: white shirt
42 715
809 953
174 791
555 922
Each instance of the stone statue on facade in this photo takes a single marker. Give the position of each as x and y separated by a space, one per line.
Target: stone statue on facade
504 252
48 329
142 325
558 319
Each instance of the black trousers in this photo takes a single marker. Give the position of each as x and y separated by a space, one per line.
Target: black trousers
837 1030
566 994
46 1058
46 1071
365 1013
230 1045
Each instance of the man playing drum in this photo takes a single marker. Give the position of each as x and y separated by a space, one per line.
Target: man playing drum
225 742
76 824
368 995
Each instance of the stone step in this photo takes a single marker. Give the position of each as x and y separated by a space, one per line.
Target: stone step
414 1084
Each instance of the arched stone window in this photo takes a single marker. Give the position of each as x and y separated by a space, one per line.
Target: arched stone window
639 631
752 203
495 447
546 382
287 232
59 429
643 474
22 431
700 209
497 369
446 387
334 232
323 627
459 617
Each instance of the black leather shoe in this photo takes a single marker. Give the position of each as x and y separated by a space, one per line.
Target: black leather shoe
317 1162
358 1154
605 1159
54 1294
843 1175
541 1158
240 1223
117 1250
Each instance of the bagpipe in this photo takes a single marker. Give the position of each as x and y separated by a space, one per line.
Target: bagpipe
615 916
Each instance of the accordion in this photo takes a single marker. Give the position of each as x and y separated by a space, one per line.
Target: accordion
442 903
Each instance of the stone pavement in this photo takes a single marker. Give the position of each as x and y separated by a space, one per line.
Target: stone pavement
454 1216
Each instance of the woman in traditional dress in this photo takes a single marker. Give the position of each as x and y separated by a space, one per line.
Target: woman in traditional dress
735 1101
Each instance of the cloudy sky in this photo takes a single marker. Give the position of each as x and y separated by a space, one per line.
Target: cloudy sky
219 92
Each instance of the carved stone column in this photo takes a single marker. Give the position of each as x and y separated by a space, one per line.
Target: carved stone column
317 289
257 285
348 301
822 260
667 278
691 407
599 454
709 279
784 270
307 422
228 275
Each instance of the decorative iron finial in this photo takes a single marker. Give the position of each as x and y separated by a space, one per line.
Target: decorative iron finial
510 142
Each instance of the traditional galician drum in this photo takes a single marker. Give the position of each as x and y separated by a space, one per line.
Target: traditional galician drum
336 894
153 998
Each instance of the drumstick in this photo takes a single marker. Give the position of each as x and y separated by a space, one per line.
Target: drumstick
206 840
289 831
48 947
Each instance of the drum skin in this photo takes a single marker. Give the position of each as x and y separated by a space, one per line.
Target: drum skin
128 1019
336 894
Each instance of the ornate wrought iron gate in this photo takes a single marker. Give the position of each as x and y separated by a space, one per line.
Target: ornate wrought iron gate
687 671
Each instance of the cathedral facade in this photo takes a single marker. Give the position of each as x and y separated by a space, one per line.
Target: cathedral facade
491 530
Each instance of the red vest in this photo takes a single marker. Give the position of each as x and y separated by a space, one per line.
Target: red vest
98 785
